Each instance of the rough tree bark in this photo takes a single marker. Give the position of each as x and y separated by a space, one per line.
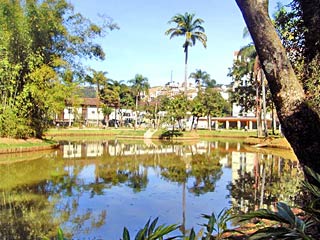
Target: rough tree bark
300 123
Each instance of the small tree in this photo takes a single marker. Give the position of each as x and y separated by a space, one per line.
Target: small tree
106 110
177 109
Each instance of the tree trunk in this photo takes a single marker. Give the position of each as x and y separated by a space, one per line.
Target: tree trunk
264 107
191 127
186 71
136 118
258 108
300 123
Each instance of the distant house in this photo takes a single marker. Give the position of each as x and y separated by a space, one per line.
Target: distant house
89 112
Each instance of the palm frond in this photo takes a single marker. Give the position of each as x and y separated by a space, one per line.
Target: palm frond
151 232
269 233
315 190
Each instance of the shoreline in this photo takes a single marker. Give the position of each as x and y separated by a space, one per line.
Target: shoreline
10 145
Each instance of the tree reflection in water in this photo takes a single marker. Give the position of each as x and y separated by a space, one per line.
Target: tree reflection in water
63 187
270 179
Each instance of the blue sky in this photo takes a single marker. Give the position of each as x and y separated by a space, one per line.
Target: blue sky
140 45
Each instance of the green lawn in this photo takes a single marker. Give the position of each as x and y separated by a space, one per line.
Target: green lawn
227 133
14 143
129 132
94 131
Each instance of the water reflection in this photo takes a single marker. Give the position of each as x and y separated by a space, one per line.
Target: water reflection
260 180
93 189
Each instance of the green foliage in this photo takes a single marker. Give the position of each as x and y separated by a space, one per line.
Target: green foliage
177 108
202 78
287 225
189 27
298 28
213 103
170 134
216 224
59 236
312 83
41 43
291 225
151 231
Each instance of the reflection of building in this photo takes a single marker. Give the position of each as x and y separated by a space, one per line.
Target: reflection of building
75 150
72 151
78 150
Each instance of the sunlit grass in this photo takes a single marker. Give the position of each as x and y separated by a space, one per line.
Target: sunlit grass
20 143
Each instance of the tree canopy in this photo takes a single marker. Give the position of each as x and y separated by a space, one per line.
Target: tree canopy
41 45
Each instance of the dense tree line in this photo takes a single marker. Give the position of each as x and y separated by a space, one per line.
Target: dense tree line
41 45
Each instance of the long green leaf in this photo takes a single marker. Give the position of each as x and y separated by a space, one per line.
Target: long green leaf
60 234
162 231
263 214
152 226
269 233
125 234
192 235
285 212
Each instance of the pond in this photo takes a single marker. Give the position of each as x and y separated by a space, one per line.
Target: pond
93 189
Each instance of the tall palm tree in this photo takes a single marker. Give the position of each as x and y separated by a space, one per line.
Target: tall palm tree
139 85
191 28
249 54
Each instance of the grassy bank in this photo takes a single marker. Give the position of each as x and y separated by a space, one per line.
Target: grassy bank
129 132
12 145
24 143
112 132
55 134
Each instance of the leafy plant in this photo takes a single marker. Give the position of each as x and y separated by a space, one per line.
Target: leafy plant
60 236
216 224
151 232
287 224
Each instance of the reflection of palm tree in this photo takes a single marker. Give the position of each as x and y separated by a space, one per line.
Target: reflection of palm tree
138 180
263 186
183 225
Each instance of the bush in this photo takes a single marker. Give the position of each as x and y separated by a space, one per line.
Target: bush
13 126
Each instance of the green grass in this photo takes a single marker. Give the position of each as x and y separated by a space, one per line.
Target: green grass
226 133
93 131
26 144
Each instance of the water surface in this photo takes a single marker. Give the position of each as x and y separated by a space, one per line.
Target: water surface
93 189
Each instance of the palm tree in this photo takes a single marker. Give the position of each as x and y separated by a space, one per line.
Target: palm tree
249 54
99 78
201 76
191 29
139 85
